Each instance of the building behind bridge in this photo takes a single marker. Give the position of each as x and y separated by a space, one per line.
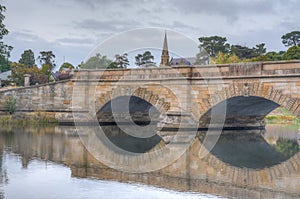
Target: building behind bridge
181 61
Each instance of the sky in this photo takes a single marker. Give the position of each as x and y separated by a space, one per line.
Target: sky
76 29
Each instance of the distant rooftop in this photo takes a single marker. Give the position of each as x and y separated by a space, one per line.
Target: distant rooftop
188 61
4 75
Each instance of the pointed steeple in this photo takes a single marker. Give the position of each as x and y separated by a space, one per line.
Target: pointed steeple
165 43
165 58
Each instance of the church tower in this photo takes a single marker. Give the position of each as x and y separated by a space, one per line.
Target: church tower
165 58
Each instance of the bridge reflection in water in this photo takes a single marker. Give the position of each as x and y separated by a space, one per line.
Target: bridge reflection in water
254 164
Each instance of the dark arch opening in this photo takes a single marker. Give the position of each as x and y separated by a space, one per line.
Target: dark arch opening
241 111
141 112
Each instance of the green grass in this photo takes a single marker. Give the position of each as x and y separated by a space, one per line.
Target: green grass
38 120
282 116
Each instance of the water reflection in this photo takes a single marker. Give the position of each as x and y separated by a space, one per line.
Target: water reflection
31 154
129 143
247 149
256 149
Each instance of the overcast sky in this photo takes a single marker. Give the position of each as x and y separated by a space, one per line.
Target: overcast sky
73 28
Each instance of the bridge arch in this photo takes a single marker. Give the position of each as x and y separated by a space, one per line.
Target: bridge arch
158 96
241 96
264 97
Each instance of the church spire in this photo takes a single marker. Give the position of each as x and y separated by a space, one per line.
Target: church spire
165 58
165 42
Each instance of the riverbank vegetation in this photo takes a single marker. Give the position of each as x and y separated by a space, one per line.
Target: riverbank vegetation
282 116
28 119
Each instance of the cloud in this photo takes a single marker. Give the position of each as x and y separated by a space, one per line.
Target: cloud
23 40
24 35
76 41
94 4
111 25
232 10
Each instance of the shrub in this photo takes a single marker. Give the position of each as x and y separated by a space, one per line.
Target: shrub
11 105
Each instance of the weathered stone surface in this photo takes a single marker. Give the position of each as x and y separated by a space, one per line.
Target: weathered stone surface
190 92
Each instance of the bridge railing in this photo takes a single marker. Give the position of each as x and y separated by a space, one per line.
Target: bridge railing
251 69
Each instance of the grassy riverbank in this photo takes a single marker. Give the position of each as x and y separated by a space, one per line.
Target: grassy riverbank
278 116
282 116
24 119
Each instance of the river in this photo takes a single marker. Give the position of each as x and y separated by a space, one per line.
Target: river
48 163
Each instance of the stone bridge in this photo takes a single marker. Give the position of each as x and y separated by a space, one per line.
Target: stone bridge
237 94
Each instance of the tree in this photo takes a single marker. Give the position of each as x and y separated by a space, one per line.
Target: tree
291 39
4 49
36 75
138 60
121 61
260 49
66 65
224 58
244 52
46 70
47 57
213 45
292 53
145 60
27 58
270 56
96 62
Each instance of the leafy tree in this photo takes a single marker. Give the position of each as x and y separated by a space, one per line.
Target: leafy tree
4 49
4 63
96 62
292 53
121 61
27 58
270 56
213 45
244 52
66 65
224 58
37 75
275 56
46 70
291 39
138 60
260 49
145 60
47 57
3 30
112 65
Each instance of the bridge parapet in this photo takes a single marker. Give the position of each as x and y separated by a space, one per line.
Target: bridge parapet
237 70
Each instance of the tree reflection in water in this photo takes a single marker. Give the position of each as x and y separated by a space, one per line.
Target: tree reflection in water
255 149
287 147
